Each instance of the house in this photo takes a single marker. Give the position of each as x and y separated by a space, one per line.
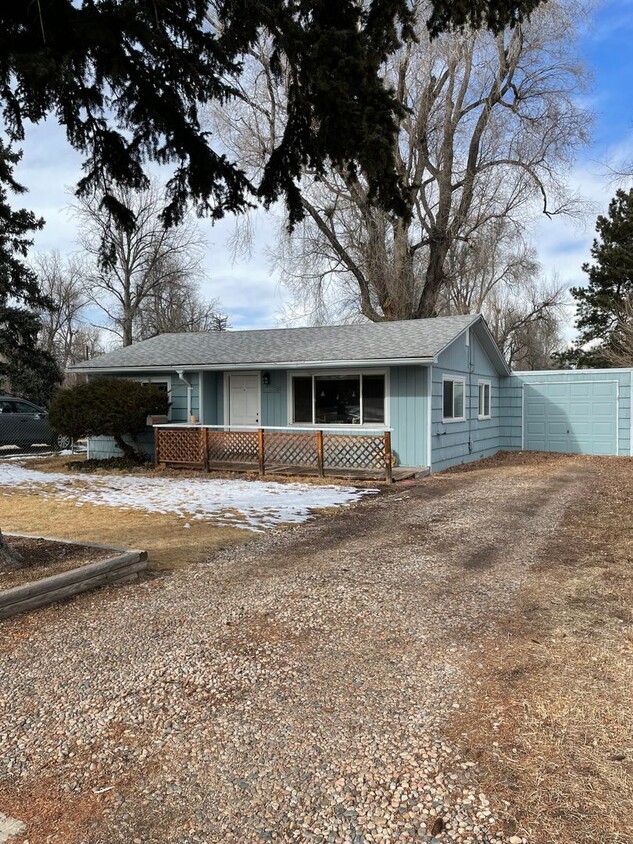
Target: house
437 392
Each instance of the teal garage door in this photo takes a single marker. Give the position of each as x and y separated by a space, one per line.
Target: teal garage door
577 417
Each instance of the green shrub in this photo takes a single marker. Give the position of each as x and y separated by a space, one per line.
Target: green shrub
107 407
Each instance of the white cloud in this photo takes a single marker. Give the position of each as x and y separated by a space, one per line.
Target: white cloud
248 292
50 168
564 245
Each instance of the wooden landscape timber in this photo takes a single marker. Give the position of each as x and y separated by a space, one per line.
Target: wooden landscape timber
58 587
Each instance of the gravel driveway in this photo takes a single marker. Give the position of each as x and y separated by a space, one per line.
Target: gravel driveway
291 690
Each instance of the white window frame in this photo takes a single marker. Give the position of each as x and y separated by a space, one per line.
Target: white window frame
456 379
484 384
358 373
160 379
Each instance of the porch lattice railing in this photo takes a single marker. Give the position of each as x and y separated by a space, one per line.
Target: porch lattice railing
204 445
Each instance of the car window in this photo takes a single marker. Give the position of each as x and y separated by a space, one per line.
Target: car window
23 407
6 407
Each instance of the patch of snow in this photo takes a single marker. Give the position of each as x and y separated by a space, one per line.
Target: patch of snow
10 827
254 505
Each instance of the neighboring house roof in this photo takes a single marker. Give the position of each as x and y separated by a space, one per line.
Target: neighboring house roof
413 341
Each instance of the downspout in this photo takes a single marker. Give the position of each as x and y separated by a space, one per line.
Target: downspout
181 374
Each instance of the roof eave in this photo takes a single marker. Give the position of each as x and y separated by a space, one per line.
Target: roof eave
219 367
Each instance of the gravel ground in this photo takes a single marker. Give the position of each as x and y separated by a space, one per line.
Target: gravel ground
290 690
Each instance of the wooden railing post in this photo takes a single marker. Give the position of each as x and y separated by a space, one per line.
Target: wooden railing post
388 460
156 446
319 447
205 448
260 451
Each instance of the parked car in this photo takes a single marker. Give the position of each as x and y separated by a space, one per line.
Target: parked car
25 425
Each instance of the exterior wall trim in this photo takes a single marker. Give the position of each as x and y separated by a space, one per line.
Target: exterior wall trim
152 379
462 380
200 398
488 382
529 372
429 418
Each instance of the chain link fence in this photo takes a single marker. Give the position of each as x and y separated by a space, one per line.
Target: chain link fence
24 429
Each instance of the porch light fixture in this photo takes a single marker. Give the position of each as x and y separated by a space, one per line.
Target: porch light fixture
266 378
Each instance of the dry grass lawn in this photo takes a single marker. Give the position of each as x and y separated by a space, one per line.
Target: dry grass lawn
169 545
552 724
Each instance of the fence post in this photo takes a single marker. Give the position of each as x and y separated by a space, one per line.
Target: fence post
260 450
388 460
156 446
205 448
319 445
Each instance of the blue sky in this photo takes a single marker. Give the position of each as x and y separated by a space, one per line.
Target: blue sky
252 296
605 45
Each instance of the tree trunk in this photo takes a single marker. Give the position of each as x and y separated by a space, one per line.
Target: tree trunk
128 450
127 326
435 278
9 559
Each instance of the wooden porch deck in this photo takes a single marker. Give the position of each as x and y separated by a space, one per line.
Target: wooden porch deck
348 455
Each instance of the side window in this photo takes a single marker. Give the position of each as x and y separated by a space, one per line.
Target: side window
23 407
484 400
453 399
6 407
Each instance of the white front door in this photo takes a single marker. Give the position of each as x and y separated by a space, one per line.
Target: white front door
244 400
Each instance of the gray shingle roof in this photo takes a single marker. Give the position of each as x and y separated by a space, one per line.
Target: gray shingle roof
411 340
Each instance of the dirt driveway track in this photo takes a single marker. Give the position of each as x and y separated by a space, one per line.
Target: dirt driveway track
318 685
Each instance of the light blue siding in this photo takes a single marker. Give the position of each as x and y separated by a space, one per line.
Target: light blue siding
275 399
408 414
212 398
458 442
511 413
593 405
581 402
102 448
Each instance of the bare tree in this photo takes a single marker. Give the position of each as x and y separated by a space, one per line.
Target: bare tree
63 281
525 322
488 128
128 267
88 342
500 277
176 305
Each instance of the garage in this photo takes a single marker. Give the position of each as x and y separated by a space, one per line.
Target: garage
579 417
